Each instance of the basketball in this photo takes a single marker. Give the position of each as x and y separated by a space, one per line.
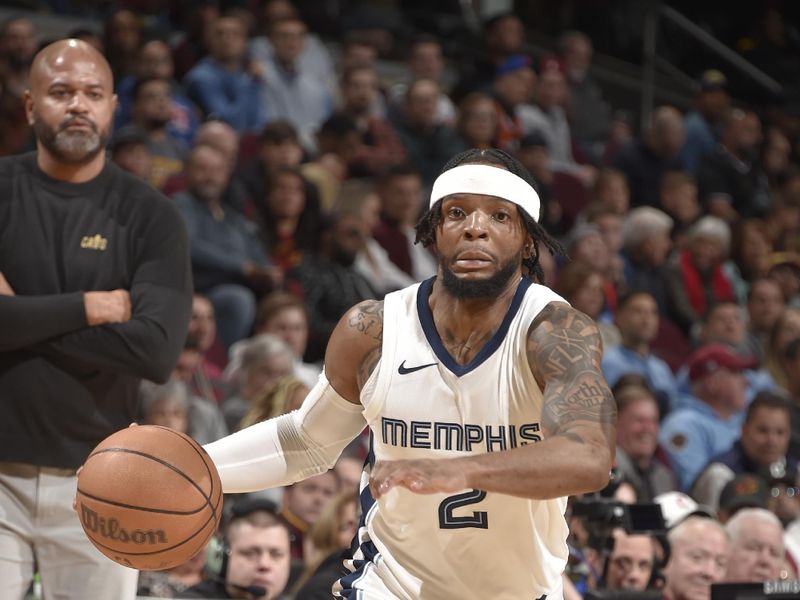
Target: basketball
149 497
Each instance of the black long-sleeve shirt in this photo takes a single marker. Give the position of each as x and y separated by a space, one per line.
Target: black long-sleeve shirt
64 386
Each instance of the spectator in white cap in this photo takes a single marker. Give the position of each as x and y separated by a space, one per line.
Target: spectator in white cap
676 507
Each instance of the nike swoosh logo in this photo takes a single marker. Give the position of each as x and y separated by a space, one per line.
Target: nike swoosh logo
403 370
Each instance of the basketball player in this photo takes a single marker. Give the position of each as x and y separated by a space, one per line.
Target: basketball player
484 398
95 294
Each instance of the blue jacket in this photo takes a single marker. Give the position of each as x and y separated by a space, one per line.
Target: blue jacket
231 96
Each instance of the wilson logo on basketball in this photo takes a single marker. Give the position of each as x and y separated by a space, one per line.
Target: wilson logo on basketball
110 528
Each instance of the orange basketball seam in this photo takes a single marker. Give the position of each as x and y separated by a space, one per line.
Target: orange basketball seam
143 508
194 446
156 459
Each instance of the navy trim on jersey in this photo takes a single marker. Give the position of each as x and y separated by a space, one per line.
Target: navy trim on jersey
367 548
435 341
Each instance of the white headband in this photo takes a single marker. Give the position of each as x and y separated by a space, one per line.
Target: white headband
491 181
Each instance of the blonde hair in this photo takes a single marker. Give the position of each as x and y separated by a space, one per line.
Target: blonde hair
273 401
324 533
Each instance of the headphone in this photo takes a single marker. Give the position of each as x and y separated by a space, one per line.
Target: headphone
217 553
218 550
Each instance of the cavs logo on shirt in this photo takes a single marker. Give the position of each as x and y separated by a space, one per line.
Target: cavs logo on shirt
94 242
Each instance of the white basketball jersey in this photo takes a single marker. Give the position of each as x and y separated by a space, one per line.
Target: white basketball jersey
420 403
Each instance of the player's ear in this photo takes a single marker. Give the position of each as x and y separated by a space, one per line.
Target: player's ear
528 247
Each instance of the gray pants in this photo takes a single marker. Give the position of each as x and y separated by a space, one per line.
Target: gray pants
37 520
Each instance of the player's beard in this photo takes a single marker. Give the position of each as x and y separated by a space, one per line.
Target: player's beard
75 147
471 289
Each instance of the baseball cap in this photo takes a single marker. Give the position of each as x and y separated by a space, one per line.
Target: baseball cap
551 62
677 506
712 79
712 357
513 63
744 491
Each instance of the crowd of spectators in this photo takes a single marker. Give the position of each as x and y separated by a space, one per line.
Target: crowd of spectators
301 165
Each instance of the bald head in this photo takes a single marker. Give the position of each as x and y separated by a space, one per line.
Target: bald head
667 132
70 101
221 136
667 117
63 56
207 173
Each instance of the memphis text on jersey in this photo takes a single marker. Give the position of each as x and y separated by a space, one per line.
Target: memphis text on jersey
437 435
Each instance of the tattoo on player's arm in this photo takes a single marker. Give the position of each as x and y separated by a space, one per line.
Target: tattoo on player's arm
564 351
368 320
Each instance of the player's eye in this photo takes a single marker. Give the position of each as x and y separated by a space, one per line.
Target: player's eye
455 212
59 94
95 95
501 216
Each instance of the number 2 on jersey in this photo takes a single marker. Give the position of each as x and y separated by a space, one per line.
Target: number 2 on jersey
478 519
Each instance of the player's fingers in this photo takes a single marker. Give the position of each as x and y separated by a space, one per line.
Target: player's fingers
378 486
386 482
374 479
420 483
384 477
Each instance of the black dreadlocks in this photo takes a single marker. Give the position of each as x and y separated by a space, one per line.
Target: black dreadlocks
426 228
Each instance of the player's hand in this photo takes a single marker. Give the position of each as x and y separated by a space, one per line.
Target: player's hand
419 476
104 308
5 287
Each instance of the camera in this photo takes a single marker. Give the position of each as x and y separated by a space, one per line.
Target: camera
604 514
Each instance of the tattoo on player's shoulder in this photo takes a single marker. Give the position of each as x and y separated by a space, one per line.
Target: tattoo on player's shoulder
563 341
564 347
368 319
